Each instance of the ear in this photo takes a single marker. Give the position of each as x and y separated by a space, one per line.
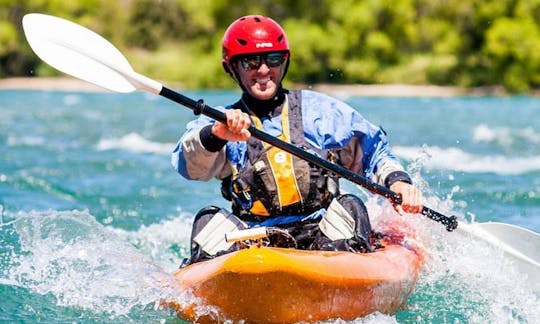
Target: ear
227 69
232 72
284 70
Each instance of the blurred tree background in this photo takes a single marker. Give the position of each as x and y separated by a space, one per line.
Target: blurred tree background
442 42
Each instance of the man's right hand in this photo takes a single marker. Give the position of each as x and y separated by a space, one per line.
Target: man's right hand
236 128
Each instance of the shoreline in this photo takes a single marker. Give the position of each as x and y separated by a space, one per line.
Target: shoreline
48 84
66 83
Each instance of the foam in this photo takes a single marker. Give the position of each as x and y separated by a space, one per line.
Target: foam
84 264
134 142
456 159
155 240
463 274
505 136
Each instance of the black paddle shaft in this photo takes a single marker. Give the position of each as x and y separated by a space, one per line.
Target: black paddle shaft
199 107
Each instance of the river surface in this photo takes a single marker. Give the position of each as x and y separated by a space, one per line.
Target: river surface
93 218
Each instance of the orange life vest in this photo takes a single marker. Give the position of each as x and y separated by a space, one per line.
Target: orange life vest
274 182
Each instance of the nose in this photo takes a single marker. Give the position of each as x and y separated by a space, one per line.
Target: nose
263 68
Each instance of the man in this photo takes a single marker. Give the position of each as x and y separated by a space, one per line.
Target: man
267 186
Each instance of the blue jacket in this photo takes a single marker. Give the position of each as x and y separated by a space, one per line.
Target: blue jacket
328 124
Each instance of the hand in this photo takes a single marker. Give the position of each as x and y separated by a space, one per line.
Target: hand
236 128
411 197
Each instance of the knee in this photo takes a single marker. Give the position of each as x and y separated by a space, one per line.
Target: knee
345 218
206 212
353 205
209 229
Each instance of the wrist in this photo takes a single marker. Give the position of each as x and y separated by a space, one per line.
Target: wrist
396 176
211 142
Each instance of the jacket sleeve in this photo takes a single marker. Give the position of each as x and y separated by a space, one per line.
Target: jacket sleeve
361 146
381 165
195 161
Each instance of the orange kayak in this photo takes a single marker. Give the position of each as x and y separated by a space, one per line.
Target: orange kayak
278 285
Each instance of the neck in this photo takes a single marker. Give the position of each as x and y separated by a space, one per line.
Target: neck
264 107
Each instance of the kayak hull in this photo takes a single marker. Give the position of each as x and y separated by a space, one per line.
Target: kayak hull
276 285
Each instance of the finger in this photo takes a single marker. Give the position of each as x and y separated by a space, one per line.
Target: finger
245 134
238 122
413 203
244 123
232 121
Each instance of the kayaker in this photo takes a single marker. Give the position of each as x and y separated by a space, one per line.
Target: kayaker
267 186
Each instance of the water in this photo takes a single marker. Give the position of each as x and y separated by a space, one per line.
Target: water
94 218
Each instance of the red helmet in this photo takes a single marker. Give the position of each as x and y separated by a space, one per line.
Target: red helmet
252 34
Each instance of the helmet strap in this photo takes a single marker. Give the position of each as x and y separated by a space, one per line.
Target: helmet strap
264 107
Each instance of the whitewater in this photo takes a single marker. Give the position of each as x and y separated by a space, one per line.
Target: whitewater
93 219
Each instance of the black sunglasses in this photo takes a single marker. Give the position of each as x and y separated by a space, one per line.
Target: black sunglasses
253 62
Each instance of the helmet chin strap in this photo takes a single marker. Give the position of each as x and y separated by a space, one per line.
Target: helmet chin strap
263 107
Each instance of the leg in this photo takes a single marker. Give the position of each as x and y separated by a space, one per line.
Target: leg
208 233
355 207
345 226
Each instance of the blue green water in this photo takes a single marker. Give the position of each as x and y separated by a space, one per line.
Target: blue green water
94 218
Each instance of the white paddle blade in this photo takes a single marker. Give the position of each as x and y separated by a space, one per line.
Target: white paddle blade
522 239
519 244
78 51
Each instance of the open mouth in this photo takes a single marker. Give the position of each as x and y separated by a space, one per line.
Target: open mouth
263 81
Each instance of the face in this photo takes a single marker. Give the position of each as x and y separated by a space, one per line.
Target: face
260 74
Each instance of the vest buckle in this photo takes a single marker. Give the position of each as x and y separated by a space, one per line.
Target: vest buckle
240 193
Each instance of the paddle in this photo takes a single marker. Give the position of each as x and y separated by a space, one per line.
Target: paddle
520 244
78 51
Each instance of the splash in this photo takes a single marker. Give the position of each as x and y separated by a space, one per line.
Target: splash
86 265
471 279
164 242
72 257
464 278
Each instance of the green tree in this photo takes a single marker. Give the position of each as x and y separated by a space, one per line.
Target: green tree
450 42
513 47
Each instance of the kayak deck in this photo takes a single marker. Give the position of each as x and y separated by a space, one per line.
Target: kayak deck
277 285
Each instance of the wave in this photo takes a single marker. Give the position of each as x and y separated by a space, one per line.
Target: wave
505 136
28 140
84 264
455 159
110 274
432 157
134 142
162 241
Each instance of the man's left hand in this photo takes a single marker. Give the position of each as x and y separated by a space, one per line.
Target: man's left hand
411 197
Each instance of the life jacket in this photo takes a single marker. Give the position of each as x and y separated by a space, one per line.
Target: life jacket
277 183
